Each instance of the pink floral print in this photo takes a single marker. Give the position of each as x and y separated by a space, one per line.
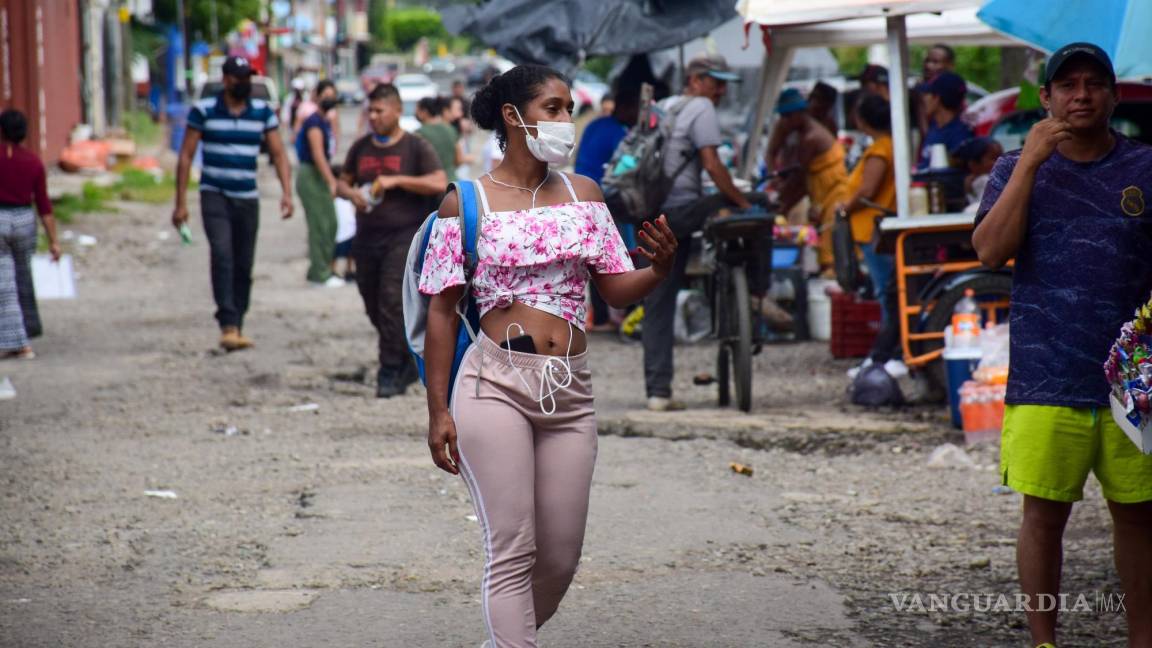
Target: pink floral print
539 257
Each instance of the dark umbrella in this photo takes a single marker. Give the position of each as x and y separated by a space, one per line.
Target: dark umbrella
562 33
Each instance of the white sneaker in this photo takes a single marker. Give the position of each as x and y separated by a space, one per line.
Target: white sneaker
855 371
661 404
487 644
334 282
896 368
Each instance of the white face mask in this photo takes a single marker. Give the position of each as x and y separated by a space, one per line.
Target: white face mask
553 142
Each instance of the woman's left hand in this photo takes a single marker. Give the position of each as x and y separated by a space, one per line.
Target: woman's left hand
659 245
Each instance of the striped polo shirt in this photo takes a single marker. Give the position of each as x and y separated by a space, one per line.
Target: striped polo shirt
231 144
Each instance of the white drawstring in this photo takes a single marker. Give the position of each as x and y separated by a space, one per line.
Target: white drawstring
553 365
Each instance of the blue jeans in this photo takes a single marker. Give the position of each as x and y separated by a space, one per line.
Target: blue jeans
881 269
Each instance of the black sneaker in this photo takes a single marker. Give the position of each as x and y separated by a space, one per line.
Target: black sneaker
386 384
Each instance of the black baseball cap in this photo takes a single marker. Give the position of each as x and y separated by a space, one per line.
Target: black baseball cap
1073 50
873 74
949 86
237 66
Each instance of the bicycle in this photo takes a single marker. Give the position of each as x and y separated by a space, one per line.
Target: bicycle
738 241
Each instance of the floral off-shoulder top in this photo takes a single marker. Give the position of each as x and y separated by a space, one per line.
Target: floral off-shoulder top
541 257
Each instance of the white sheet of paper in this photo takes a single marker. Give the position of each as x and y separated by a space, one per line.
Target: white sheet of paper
53 280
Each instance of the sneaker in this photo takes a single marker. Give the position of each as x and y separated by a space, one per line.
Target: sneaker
661 404
25 353
334 282
390 383
855 371
487 644
896 368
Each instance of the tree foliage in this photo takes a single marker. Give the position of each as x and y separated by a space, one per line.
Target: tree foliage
229 13
980 65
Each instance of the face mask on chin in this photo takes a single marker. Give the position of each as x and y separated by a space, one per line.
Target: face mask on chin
553 142
241 90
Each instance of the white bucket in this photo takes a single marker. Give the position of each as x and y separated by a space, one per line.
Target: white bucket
819 309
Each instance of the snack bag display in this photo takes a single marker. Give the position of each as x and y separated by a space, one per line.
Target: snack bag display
1129 373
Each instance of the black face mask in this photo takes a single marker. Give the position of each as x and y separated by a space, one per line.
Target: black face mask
327 104
241 90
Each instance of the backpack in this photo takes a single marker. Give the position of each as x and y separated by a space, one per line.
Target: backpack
635 183
416 303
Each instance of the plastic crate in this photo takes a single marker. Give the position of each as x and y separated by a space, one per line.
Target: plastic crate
855 325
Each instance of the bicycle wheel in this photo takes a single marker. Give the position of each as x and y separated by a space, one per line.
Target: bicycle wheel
722 326
723 380
740 309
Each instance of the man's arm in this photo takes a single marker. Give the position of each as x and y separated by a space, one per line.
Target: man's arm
710 160
276 150
429 184
998 236
183 167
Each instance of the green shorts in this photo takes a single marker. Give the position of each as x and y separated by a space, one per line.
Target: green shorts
1047 451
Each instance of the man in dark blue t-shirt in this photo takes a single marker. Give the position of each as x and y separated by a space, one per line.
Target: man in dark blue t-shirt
943 102
1070 208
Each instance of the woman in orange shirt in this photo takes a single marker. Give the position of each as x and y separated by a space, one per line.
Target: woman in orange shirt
874 180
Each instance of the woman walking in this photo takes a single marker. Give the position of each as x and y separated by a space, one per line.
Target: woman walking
22 182
521 427
316 185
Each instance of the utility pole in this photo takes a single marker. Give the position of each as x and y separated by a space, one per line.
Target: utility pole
215 23
127 56
182 16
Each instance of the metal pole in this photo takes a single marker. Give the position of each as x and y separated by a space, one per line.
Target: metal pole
898 90
772 78
215 23
182 16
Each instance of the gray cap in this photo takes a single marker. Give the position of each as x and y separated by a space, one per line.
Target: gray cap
713 65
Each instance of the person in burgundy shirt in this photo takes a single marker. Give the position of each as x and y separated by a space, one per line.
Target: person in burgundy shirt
22 182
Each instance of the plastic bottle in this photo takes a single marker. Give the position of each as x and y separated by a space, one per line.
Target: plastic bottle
966 321
918 199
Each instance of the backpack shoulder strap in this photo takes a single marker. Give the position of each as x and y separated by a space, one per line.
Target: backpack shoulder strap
470 219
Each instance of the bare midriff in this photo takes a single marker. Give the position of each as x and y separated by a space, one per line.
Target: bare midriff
549 333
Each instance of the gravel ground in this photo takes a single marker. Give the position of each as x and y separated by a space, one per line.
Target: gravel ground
331 526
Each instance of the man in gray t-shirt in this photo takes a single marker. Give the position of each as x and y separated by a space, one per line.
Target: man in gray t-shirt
695 138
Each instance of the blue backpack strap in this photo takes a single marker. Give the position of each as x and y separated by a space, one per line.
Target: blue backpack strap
470 215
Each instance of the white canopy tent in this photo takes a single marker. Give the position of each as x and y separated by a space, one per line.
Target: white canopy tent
809 23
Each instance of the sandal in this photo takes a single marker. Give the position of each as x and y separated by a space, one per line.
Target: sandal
20 354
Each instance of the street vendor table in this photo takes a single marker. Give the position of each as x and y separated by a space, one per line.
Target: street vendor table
934 256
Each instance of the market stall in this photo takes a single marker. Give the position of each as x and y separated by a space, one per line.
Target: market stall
926 279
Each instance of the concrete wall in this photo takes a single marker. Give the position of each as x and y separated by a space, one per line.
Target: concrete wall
40 71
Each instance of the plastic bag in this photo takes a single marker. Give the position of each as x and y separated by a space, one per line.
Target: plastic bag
693 317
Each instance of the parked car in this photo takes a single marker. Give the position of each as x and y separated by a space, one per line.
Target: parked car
587 90
262 88
996 115
413 88
349 91
440 66
374 75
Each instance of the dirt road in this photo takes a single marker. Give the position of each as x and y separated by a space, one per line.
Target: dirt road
330 526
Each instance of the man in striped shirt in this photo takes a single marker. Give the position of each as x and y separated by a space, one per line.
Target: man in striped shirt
231 127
